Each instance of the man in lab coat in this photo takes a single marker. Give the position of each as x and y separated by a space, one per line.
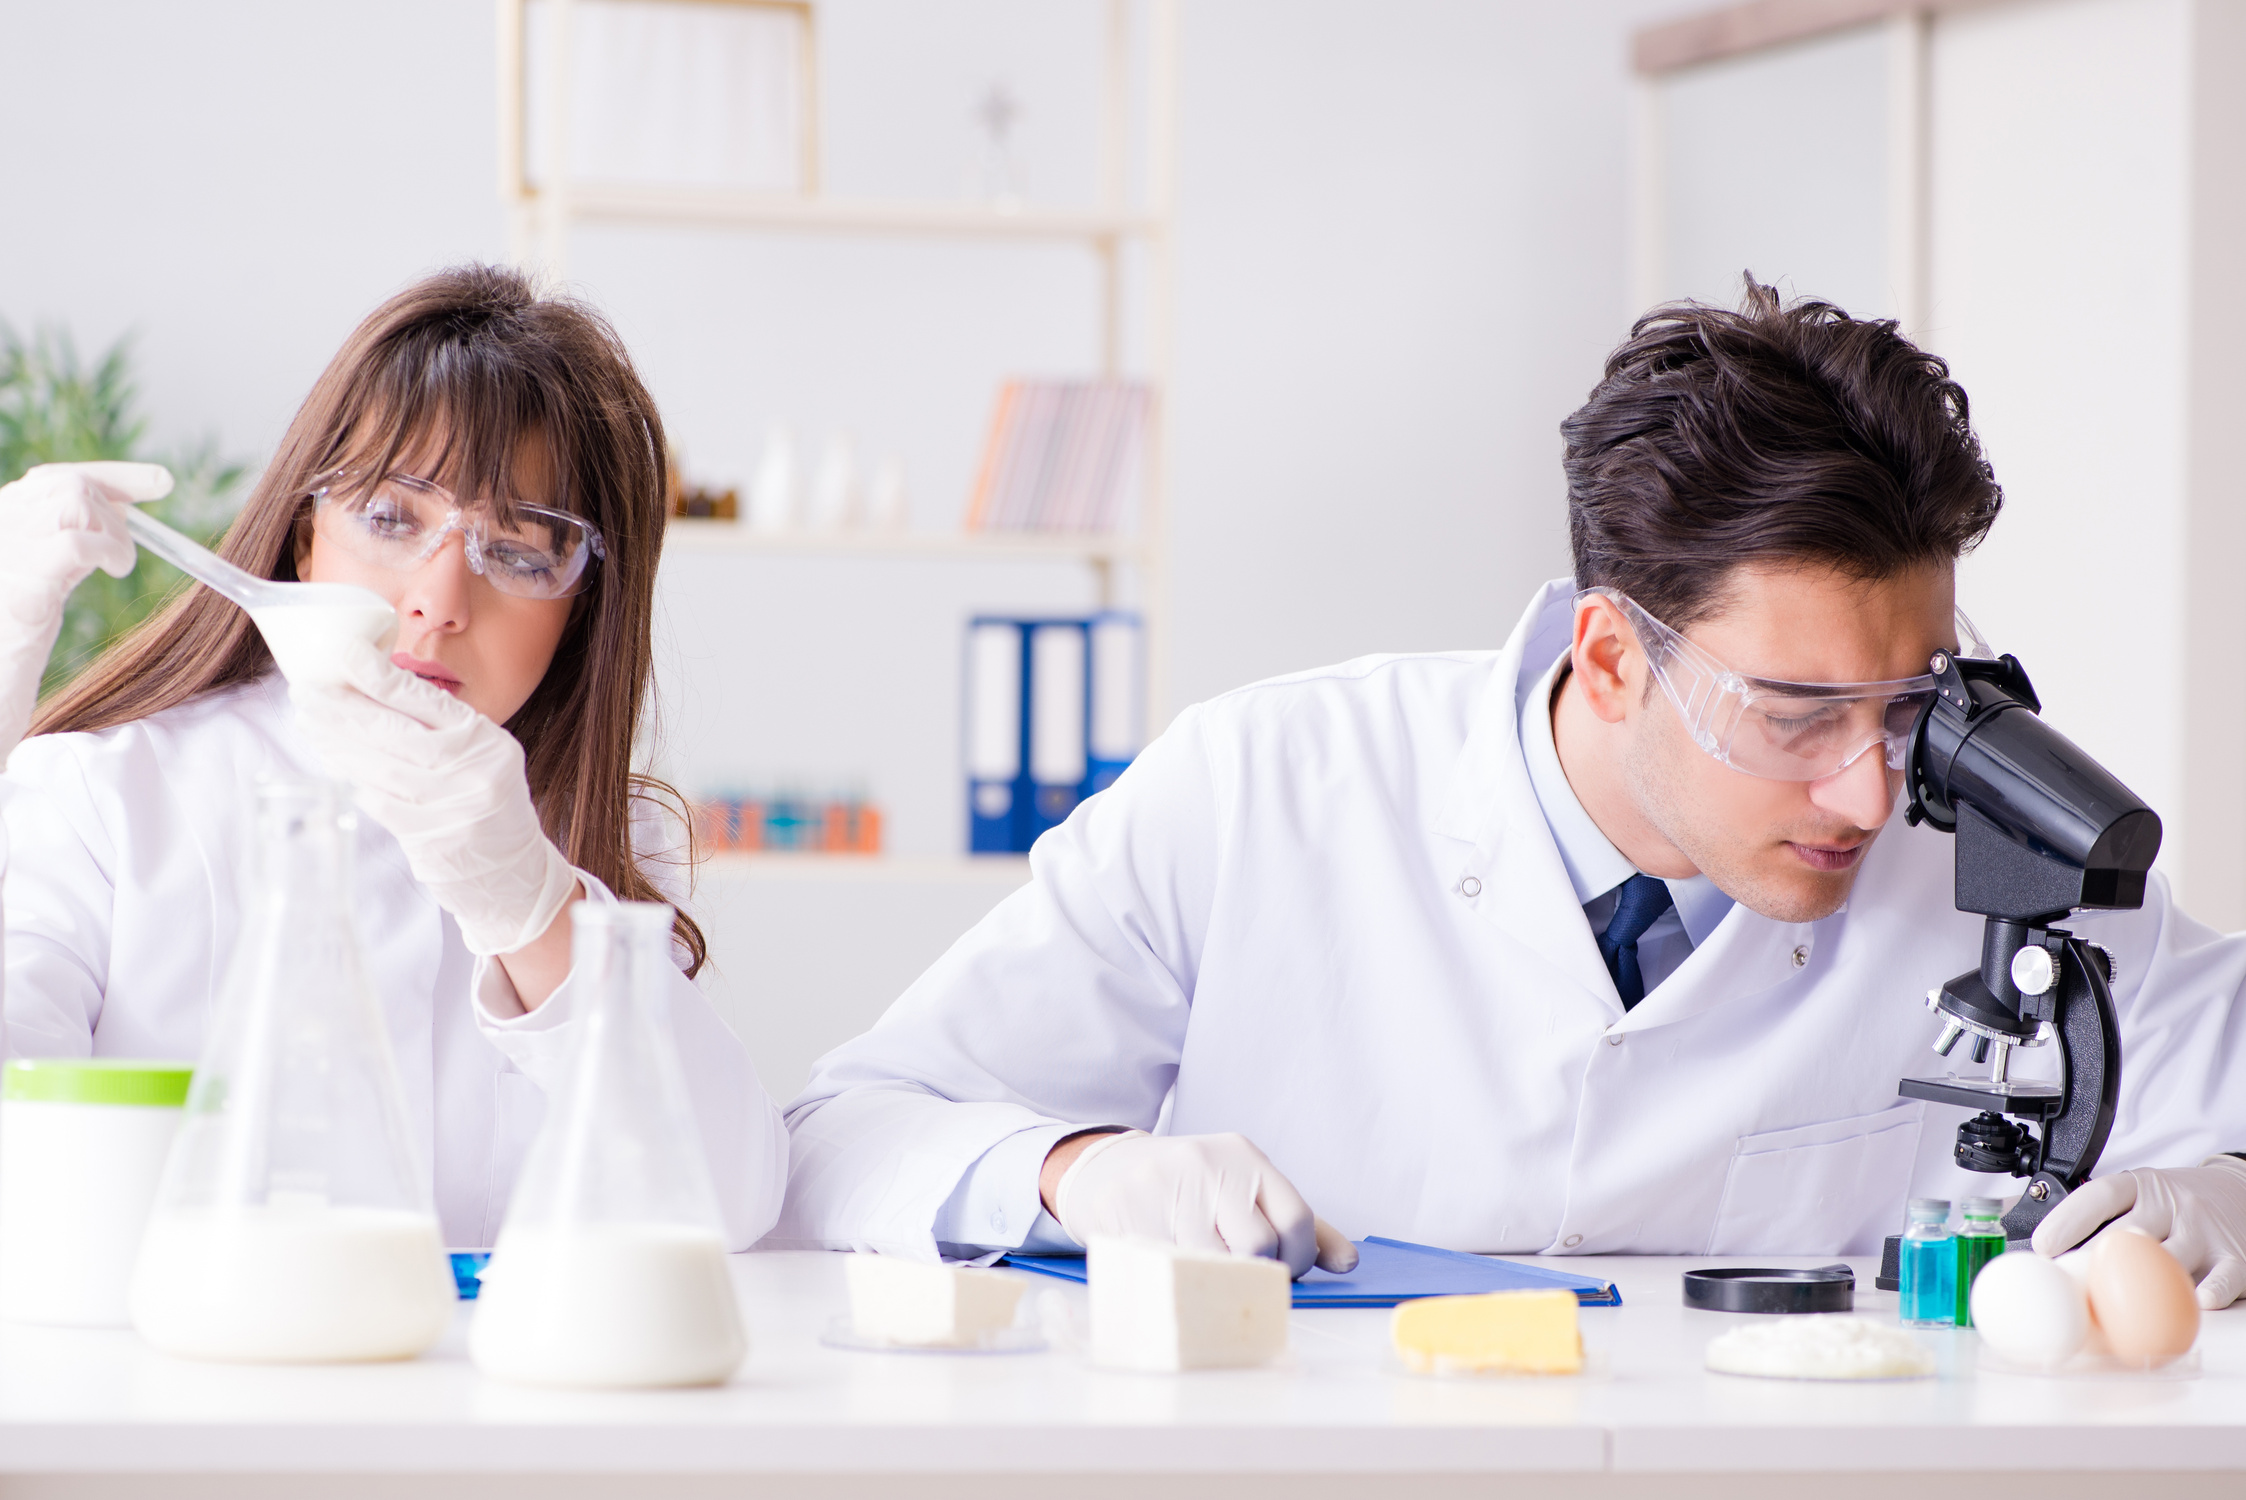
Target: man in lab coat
1491 950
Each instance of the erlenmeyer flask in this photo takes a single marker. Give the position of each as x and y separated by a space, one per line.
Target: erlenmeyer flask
610 1268
293 1221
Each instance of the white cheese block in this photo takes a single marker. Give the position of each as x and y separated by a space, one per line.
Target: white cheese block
1827 1346
926 1305
1157 1307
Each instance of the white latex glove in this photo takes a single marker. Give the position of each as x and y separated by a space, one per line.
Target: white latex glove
449 785
1202 1192
57 524
2198 1213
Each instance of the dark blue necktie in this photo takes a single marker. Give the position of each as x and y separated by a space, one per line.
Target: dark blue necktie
1640 905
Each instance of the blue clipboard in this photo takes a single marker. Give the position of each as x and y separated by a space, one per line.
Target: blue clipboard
1393 1271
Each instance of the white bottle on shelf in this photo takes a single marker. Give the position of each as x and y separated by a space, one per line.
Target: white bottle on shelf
834 498
772 499
887 507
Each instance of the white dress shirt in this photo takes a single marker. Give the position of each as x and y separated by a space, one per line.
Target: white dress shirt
1595 867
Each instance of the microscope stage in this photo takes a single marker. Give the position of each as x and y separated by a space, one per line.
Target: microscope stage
2036 1100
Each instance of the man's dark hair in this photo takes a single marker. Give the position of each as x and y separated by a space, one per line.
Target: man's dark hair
1772 434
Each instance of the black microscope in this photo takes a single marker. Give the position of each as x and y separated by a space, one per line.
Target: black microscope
2043 831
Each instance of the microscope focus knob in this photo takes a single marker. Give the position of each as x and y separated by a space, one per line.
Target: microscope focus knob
2105 956
2034 971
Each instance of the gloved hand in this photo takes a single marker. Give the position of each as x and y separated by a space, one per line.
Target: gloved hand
449 785
57 524
1202 1192
2198 1213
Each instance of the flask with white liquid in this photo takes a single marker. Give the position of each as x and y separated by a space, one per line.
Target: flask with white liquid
611 1268
293 1221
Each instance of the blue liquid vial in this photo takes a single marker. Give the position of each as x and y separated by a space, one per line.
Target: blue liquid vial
1928 1266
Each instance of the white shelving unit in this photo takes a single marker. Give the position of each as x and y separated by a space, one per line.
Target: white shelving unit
543 215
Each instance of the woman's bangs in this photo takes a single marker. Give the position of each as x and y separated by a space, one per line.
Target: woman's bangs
477 432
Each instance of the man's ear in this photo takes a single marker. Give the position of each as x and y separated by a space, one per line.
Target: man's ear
1605 657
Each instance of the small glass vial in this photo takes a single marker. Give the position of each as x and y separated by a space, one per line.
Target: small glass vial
1980 1239
1928 1266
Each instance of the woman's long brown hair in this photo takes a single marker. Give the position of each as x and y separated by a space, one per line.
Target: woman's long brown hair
473 366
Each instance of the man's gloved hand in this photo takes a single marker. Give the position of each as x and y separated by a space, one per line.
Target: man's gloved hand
2198 1213
58 523
1202 1192
449 785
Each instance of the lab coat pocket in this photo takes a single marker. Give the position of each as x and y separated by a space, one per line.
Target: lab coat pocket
1835 1188
518 1108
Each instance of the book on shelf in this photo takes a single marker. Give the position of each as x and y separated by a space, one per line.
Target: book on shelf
1059 456
1052 717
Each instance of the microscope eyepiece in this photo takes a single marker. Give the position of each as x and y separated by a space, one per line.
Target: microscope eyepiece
2042 828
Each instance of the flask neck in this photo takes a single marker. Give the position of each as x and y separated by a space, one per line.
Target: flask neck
304 848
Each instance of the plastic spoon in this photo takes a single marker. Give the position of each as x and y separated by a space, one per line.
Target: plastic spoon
307 626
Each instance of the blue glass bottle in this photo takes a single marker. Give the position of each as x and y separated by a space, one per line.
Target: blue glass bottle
1928 1268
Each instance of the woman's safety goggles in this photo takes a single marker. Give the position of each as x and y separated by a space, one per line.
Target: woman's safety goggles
399 522
1782 731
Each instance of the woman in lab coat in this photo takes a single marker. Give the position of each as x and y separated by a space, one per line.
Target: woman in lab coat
488 461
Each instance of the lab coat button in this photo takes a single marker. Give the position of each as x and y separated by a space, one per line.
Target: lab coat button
1470 888
1614 1038
1801 956
1572 1241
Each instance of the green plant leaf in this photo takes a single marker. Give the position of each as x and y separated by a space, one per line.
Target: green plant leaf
54 408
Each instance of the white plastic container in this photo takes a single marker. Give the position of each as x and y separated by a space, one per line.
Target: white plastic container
82 1145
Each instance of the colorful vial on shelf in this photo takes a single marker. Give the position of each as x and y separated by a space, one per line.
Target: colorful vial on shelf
1980 1239
1928 1266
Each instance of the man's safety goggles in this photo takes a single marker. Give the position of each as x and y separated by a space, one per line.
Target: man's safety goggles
1782 731
398 522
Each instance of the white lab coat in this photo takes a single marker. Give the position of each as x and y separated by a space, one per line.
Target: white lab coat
1327 912
127 872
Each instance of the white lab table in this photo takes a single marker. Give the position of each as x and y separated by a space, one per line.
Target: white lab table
96 1414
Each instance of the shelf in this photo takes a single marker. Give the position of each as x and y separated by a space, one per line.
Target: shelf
982 869
988 546
623 204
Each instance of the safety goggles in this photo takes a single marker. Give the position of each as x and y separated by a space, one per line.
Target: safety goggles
397 521
1782 731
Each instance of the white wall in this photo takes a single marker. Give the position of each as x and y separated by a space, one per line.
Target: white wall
1403 255
238 184
1776 162
2063 293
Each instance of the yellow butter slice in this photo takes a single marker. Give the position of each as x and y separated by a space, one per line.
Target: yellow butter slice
1533 1333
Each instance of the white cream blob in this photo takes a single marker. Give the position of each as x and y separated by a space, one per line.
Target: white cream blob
314 634
1828 1346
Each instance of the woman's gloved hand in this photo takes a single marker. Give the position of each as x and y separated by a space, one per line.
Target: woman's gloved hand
2198 1213
58 523
449 785
1201 1192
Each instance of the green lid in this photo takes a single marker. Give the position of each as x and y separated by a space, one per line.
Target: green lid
97 1080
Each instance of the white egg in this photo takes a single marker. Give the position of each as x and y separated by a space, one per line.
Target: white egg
2030 1310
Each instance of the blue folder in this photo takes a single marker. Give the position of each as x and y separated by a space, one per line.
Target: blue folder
1393 1271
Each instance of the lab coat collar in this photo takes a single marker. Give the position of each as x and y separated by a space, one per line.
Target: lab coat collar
1492 807
1513 861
